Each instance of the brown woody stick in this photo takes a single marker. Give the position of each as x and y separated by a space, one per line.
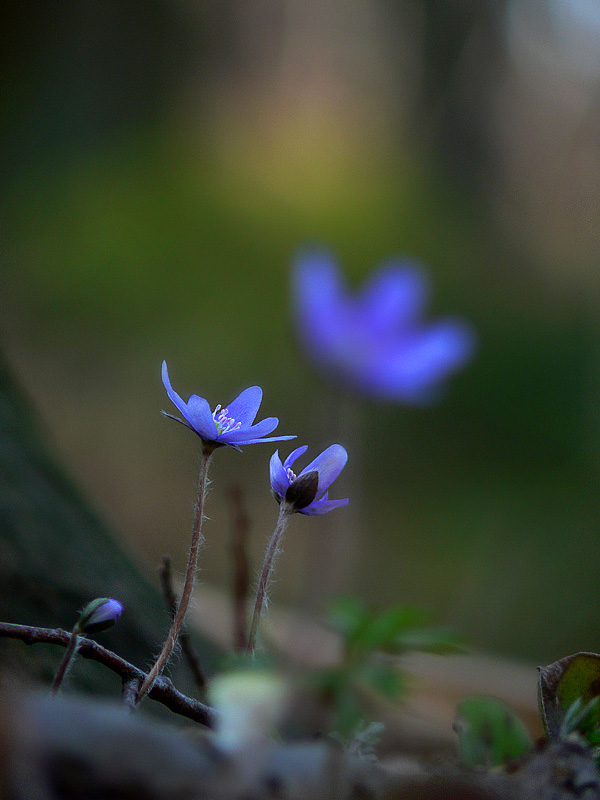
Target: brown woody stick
163 690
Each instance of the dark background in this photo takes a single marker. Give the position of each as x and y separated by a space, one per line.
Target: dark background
163 161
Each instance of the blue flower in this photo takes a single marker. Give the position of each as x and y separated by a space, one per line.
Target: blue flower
375 341
231 425
327 467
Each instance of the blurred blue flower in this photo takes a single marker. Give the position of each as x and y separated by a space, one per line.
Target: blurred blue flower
231 425
376 341
325 467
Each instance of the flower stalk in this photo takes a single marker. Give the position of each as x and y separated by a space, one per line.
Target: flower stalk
285 511
190 574
67 662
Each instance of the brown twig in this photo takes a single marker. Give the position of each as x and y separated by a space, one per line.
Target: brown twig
172 601
241 571
162 690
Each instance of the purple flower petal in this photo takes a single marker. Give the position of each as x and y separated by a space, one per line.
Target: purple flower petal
263 439
232 428
317 278
393 299
319 299
257 431
173 396
245 406
299 451
421 361
200 417
375 340
196 412
328 464
323 506
278 475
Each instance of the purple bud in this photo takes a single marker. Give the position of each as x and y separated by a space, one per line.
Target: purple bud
99 615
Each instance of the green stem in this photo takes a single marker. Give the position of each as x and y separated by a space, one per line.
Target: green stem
197 541
267 569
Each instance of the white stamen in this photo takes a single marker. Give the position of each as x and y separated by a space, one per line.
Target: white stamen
223 423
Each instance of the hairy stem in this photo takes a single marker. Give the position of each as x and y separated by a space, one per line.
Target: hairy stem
185 641
64 665
267 569
190 574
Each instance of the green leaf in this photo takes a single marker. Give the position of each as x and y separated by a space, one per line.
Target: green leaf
383 629
348 711
427 640
386 679
489 733
583 719
349 615
564 682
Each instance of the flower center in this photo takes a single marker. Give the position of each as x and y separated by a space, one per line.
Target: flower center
223 423
291 475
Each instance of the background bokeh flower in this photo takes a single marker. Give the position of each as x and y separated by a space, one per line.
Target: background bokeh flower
375 341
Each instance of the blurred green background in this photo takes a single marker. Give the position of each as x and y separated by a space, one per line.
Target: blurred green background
162 162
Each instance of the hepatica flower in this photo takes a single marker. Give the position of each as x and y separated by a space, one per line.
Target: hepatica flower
376 341
231 425
307 491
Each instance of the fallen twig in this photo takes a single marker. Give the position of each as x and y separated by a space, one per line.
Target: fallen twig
163 690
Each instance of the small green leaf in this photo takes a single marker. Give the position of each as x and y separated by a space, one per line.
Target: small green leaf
427 640
386 679
583 719
348 711
562 683
383 629
489 733
349 615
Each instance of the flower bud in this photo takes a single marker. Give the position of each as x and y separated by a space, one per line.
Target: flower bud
302 491
99 615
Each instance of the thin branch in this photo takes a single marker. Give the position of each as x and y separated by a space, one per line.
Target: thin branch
162 690
241 570
189 652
